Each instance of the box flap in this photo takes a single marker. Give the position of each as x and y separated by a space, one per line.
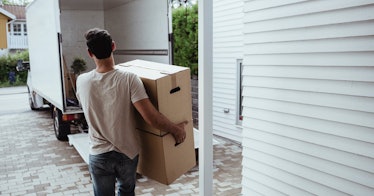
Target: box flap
150 70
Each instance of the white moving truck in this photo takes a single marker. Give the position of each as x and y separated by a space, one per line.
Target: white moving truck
56 30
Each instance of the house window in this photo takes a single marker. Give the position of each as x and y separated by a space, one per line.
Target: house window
239 63
17 29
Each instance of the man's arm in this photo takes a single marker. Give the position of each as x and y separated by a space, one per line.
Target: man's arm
153 117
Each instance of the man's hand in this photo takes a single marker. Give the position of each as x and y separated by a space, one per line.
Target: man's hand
159 121
179 133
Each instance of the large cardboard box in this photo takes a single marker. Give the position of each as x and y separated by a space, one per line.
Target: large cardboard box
169 89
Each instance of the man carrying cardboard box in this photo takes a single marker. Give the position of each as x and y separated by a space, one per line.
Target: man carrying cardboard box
109 98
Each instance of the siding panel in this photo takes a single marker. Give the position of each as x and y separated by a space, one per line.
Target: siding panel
280 174
272 186
312 59
308 97
357 73
290 121
257 189
302 8
352 44
227 48
318 138
312 149
319 112
356 14
364 89
251 6
364 104
342 30
288 171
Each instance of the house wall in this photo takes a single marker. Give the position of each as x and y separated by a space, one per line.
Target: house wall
3 33
17 39
227 49
309 98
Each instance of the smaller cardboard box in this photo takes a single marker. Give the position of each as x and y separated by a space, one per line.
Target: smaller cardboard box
161 160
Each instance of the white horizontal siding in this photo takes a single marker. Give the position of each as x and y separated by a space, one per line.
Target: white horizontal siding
227 48
363 104
300 8
252 6
313 59
356 14
309 143
357 73
313 111
313 173
308 97
342 30
351 44
323 86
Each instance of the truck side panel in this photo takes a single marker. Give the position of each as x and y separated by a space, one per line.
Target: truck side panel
43 28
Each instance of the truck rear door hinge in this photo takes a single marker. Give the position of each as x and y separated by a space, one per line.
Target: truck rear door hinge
59 37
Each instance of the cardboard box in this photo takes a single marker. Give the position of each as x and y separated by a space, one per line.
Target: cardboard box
164 162
169 89
70 83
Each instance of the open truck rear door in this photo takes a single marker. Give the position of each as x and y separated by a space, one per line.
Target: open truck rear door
43 24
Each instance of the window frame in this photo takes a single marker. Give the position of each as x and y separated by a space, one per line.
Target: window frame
239 101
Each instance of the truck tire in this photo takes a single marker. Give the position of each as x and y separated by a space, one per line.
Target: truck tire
62 129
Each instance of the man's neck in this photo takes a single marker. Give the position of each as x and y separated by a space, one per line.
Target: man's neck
104 65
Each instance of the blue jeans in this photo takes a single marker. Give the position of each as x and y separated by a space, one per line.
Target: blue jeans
108 167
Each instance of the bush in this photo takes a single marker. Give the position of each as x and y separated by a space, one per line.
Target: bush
185 30
8 64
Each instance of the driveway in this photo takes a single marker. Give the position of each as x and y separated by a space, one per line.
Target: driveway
13 100
34 162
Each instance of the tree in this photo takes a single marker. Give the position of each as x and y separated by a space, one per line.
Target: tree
17 2
185 29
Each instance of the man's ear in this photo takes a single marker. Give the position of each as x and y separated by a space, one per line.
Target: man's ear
114 47
90 53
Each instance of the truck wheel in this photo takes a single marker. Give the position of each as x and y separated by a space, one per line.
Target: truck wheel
62 129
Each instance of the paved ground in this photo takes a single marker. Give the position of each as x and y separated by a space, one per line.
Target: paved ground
33 162
13 100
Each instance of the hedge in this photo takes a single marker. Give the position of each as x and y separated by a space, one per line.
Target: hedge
185 30
8 64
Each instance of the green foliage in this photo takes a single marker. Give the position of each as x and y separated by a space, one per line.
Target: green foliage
185 29
78 65
17 2
8 64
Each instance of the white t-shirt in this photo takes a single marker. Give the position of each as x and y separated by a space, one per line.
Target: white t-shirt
107 102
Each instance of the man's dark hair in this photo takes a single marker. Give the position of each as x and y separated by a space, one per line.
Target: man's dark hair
99 42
